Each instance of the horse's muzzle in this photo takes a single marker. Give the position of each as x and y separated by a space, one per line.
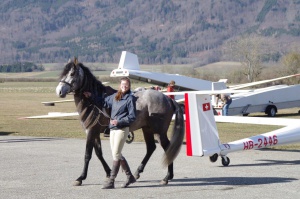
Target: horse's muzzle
62 90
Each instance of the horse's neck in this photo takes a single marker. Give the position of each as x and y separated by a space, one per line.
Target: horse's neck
82 105
79 102
110 90
82 102
89 113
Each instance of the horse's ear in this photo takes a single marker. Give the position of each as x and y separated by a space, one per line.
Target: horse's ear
75 60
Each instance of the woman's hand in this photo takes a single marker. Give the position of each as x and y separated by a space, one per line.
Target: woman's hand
114 122
87 94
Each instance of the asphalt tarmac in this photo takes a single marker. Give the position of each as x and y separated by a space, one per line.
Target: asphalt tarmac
35 167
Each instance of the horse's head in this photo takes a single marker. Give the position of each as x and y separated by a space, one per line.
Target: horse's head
71 79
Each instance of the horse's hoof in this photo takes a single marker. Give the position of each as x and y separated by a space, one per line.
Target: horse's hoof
136 176
107 178
77 183
163 182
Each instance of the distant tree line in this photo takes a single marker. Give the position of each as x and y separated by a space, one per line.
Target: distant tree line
177 32
20 67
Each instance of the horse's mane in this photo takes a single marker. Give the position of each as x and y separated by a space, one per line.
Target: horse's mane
66 69
91 83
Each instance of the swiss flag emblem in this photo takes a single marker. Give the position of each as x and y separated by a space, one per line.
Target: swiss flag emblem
206 106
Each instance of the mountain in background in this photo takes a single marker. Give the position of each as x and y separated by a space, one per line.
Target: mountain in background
159 31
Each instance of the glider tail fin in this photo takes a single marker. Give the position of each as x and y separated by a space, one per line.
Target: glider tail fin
129 61
202 138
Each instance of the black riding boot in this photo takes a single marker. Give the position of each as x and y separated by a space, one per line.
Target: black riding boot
130 178
110 183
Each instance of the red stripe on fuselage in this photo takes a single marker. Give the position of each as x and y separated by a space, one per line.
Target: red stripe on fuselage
188 140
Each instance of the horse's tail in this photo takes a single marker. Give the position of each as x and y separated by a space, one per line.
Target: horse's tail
177 137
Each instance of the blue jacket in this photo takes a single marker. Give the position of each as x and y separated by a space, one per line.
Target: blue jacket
123 111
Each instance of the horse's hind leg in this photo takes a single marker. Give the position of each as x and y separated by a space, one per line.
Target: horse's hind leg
87 158
98 151
165 142
150 144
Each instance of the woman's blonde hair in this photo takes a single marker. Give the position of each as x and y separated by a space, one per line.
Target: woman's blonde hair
119 93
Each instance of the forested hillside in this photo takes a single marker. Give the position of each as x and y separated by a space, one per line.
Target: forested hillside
159 31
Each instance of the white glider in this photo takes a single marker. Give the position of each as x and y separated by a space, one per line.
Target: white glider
202 138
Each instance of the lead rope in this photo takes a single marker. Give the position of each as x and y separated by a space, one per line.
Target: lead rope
96 120
98 116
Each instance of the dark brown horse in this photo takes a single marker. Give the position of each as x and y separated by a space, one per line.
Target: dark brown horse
154 113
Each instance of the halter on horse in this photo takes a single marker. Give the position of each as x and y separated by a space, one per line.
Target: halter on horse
154 113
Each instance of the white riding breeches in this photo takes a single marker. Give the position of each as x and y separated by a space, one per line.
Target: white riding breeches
117 140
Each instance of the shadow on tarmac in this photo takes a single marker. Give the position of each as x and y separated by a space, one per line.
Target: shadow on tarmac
29 140
230 181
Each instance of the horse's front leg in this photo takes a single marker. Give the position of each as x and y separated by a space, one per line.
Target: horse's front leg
87 158
98 151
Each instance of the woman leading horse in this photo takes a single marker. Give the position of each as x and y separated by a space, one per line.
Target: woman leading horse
154 112
122 105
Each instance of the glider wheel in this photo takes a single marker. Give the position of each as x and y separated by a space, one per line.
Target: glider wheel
130 138
225 161
214 157
271 110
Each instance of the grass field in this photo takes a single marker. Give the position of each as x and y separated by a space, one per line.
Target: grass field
21 99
